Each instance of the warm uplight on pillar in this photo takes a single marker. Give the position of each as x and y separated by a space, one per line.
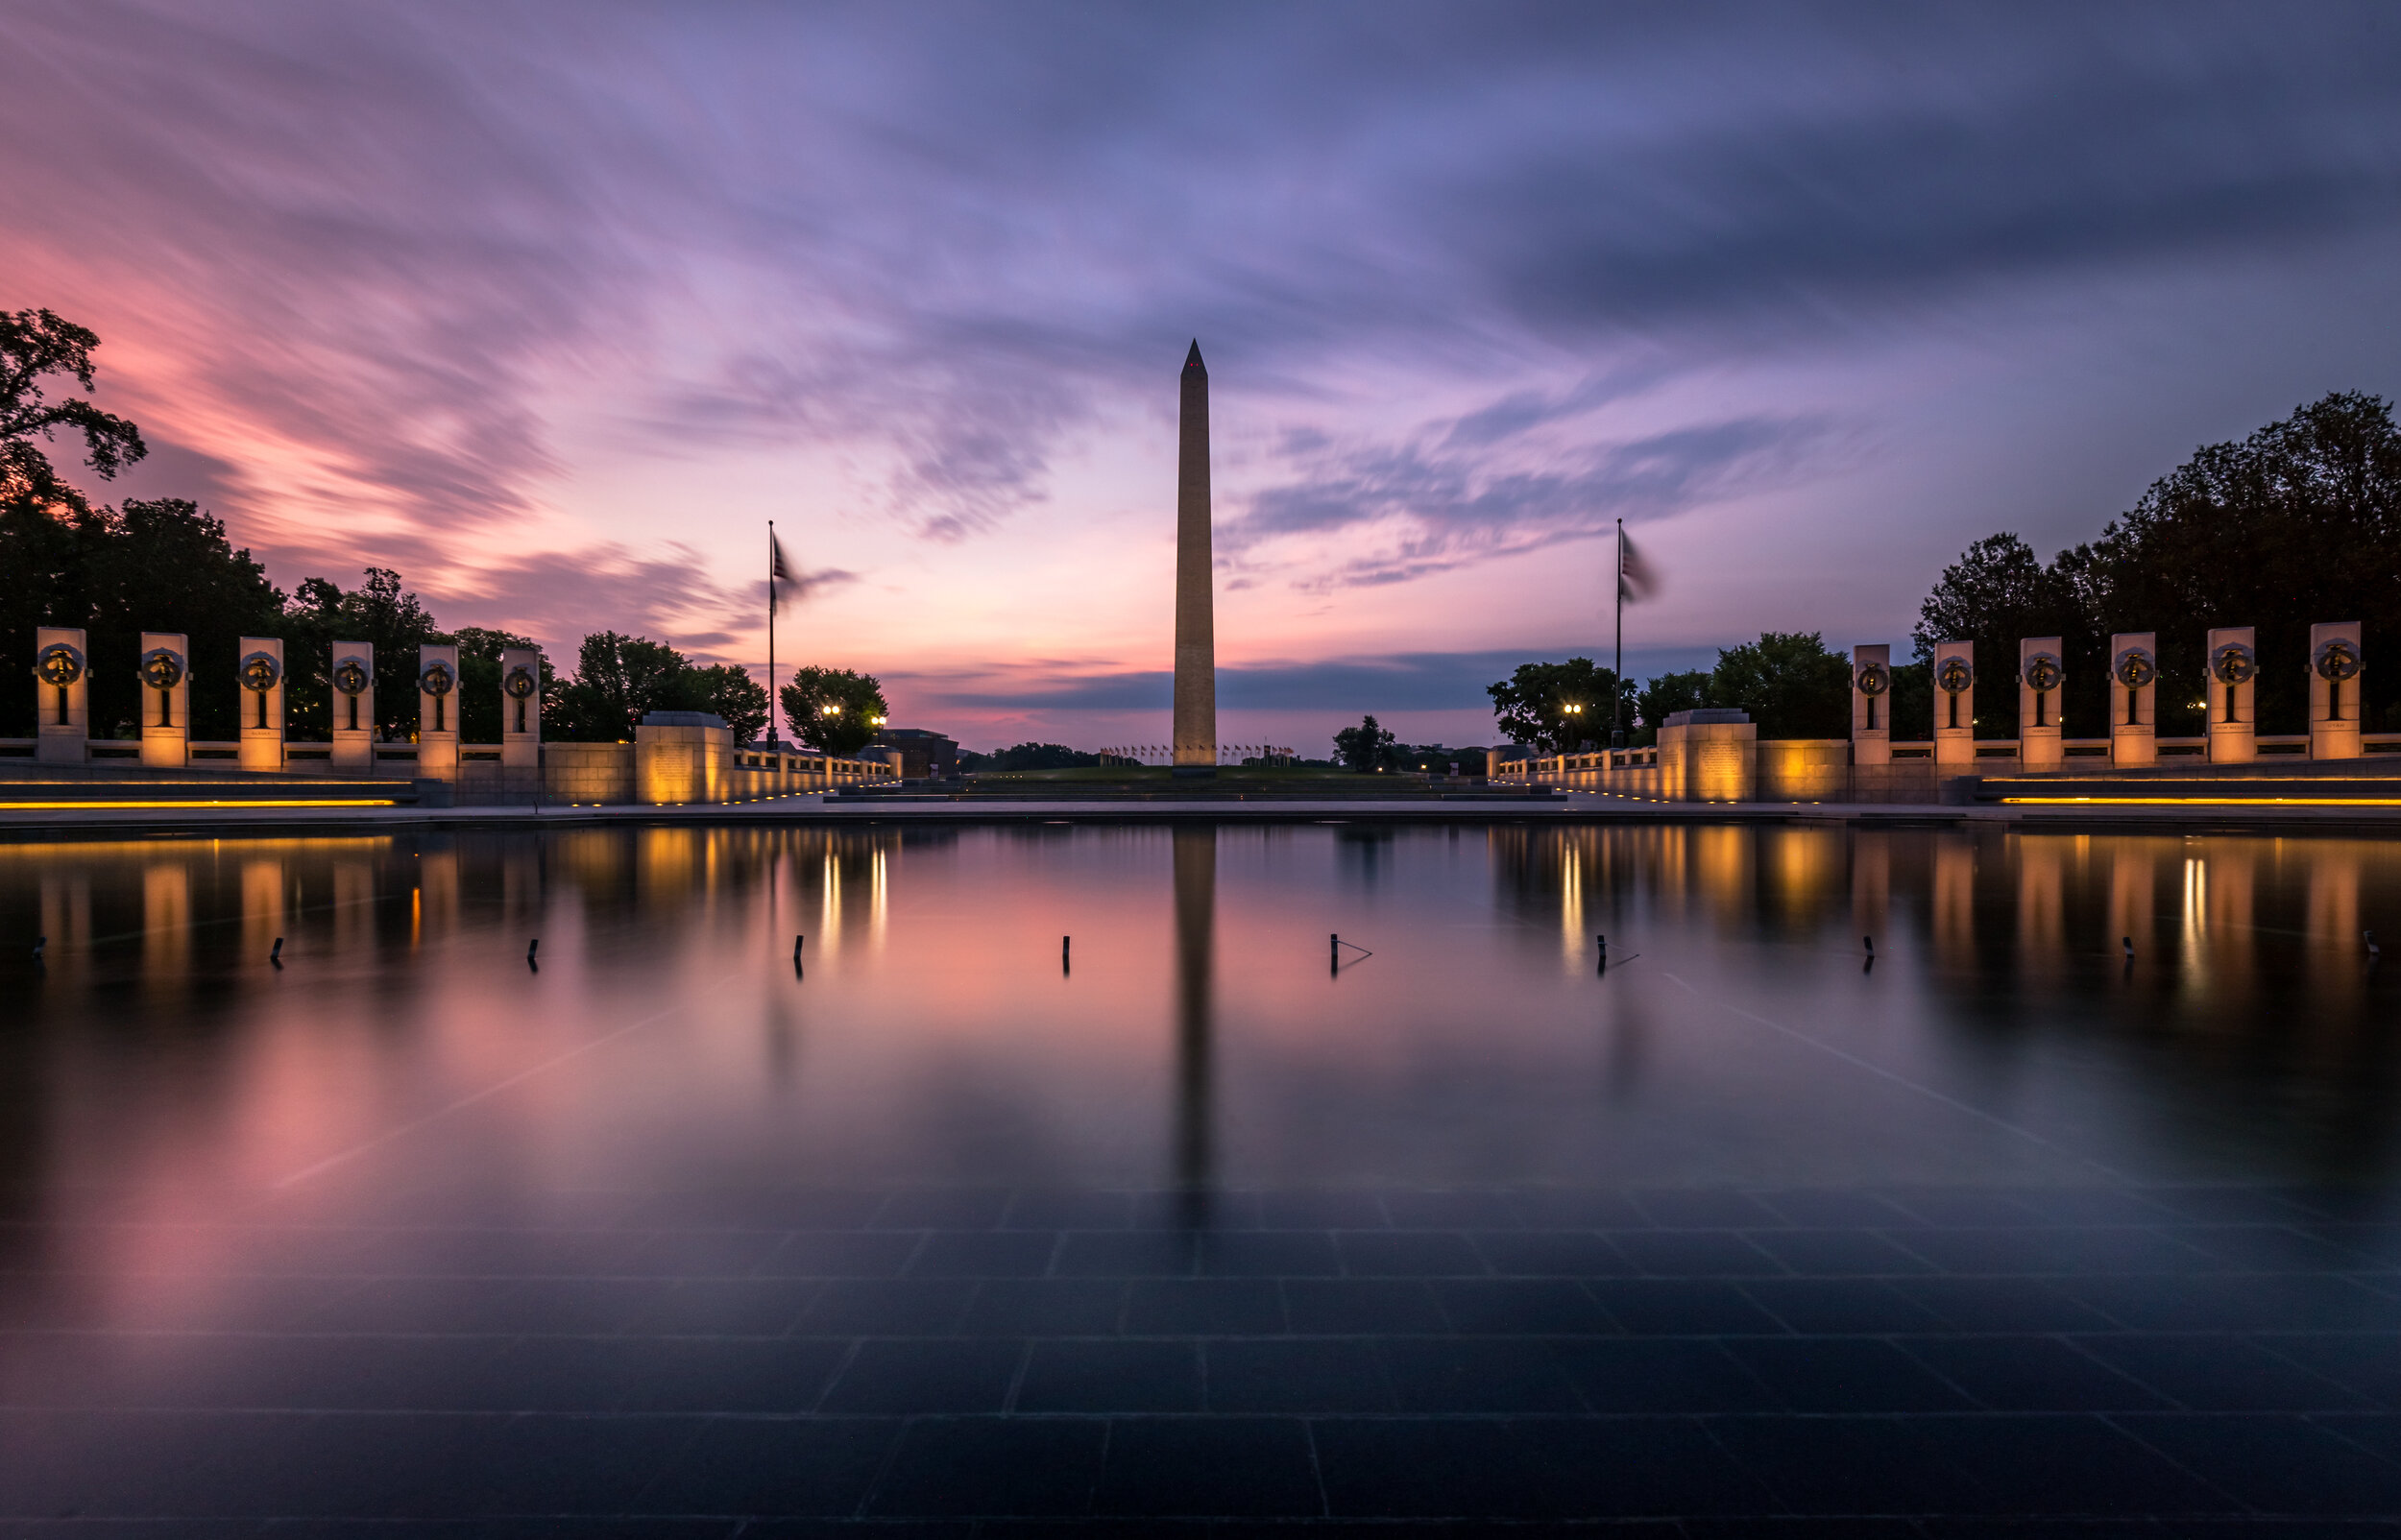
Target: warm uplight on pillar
2133 699
1871 704
62 696
520 708
260 671
164 665
2233 670
353 681
437 713
2040 674
2336 689
1955 704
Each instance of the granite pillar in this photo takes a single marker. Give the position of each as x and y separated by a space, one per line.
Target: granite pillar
520 708
2233 670
1955 704
2040 746
2133 699
1871 704
62 696
437 713
260 673
353 705
165 666
2335 690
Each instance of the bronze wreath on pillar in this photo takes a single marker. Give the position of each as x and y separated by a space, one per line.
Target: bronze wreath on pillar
2233 663
162 669
2337 659
60 665
350 677
435 680
260 673
1874 679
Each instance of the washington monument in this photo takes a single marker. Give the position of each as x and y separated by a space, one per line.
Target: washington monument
1196 626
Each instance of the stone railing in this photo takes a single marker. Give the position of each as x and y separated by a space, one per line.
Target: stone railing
1723 760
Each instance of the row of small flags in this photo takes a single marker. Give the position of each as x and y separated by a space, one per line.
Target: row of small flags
1146 750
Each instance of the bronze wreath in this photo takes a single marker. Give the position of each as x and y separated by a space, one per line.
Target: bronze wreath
161 668
60 665
261 672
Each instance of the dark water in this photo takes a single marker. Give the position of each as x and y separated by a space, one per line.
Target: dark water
1198 1224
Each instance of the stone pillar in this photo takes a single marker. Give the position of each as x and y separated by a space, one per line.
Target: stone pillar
683 756
353 705
165 668
2040 674
261 675
1871 704
437 713
2335 690
1196 624
1955 704
520 708
2233 667
1708 755
62 696
2133 699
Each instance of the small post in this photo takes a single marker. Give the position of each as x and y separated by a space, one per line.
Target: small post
1600 944
39 942
1334 951
1869 943
2127 942
531 947
1062 953
275 953
2369 936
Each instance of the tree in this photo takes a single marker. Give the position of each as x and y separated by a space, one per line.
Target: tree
619 680
1666 695
1368 746
382 612
857 709
35 344
2299 523
1036 756
480 718
1531 704
1995 595
728 692
1788 683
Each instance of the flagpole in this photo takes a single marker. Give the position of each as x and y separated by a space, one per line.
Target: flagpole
775 731
1617 667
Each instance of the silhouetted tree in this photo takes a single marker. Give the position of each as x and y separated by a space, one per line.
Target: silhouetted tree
1531 704
1368 746
858 715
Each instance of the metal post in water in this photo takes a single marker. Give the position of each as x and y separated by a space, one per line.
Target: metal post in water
1062 953
1600 944
531 947
797 943
275 953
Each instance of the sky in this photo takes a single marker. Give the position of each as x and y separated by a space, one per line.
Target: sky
553 307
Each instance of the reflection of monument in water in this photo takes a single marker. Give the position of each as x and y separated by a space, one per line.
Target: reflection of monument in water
1196 962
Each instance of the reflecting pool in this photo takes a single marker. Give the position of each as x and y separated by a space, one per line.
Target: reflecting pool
1078 1172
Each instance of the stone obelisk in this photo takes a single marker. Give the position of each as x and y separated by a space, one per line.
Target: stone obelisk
1196 625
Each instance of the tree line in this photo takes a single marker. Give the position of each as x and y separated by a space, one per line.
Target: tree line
164 564
2296 525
